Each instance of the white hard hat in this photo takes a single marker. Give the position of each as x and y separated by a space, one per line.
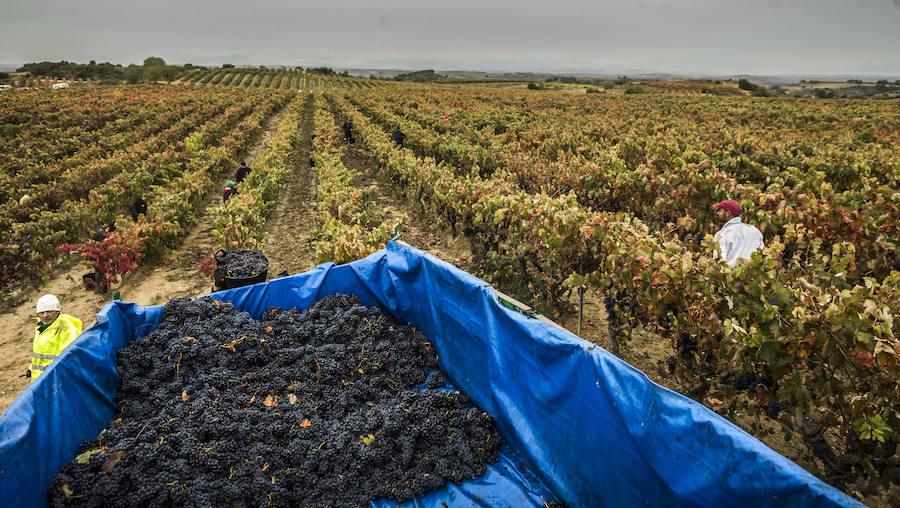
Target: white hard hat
47 302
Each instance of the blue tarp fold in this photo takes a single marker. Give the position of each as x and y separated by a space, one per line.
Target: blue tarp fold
579 421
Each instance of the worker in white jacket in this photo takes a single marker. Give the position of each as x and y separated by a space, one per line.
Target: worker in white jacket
736 240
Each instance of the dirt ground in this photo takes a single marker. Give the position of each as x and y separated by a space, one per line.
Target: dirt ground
173 275
290 230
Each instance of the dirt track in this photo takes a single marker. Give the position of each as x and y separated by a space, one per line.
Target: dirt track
290 230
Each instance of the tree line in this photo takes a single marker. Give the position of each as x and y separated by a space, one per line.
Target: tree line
153 69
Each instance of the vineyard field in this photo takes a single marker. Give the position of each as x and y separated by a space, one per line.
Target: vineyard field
279 79
570 202
49 205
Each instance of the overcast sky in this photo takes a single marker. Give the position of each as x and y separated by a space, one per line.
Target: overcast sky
604 36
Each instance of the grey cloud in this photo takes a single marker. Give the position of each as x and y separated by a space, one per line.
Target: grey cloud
710 36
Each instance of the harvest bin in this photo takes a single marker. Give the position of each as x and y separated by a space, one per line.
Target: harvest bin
221 280
579 421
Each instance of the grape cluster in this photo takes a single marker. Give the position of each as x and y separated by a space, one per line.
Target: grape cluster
750 381
317 408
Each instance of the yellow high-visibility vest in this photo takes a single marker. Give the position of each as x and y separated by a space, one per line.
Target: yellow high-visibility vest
51 342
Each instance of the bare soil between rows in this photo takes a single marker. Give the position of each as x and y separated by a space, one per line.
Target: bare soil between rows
289 241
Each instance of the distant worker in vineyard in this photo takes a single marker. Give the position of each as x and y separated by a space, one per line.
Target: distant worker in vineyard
230 190
398 137
348 131
100 234
54 332
138 207
242 172
736 240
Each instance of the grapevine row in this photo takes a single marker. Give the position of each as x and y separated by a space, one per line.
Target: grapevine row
77 182
42 128
45 180
283 79
352 226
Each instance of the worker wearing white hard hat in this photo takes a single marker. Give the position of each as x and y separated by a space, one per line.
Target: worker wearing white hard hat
54 332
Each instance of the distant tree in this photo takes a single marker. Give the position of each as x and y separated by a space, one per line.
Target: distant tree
608 85
761 91
824 93
4 75
744 84
228 66
535 86
134 74
592 90
154 74
154 61
109 73
635 90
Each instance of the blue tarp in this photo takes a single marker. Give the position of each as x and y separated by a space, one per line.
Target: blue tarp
578 420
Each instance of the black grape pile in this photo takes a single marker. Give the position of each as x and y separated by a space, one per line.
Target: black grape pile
326 407
243 264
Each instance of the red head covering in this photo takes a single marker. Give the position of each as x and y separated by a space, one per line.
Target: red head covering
730 205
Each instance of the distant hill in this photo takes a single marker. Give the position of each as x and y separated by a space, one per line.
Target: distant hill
420 76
